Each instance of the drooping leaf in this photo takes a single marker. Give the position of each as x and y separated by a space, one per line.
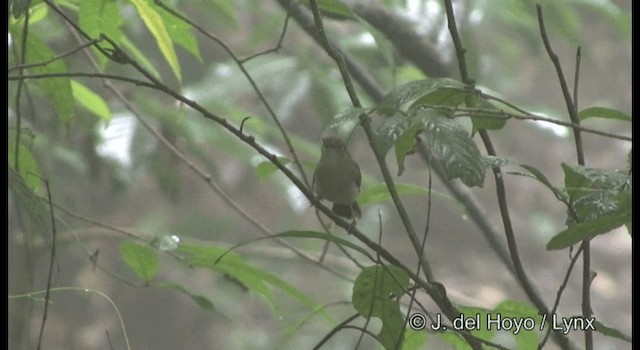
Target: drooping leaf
611 332
91 101
158 29
604 113
586 230
390 130
454 151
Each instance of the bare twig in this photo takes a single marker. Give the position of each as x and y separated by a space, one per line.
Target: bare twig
273 49
59 57
51 263
572 109
532 294
249 78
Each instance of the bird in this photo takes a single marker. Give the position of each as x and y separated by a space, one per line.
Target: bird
337 178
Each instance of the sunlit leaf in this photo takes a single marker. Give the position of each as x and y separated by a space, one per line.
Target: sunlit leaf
158 29
91 101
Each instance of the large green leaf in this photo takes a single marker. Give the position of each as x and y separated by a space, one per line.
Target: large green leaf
100 17
421 92
57 89
586 230
375 294
454 151
391 130
141 259
593 191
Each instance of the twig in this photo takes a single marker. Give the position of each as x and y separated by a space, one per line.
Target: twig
572 109
532 294
51 263
61 56
252 82
273 49
561 289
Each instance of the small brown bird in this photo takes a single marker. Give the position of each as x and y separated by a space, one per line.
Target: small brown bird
337 178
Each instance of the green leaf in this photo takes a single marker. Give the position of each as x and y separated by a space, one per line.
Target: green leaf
604 113
538 175
585 230
485 122
455 340
611 332
491 162
57 89
528 316
307 234
141 259
454 151
202 301
179 31
29 203
157 27
91 101
379 193
345 122
28 167
405 144
254 279
100 17
334 9
139 56
387 133
409 95
375 294
593 191
266 168
414 340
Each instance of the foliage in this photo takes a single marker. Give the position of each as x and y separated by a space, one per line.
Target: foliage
236 94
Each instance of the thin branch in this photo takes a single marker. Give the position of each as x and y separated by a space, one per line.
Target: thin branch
501 114
457 43
84 75
561 289
273 49
252 82
572 109
335 330
59 57
51 263
532 294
